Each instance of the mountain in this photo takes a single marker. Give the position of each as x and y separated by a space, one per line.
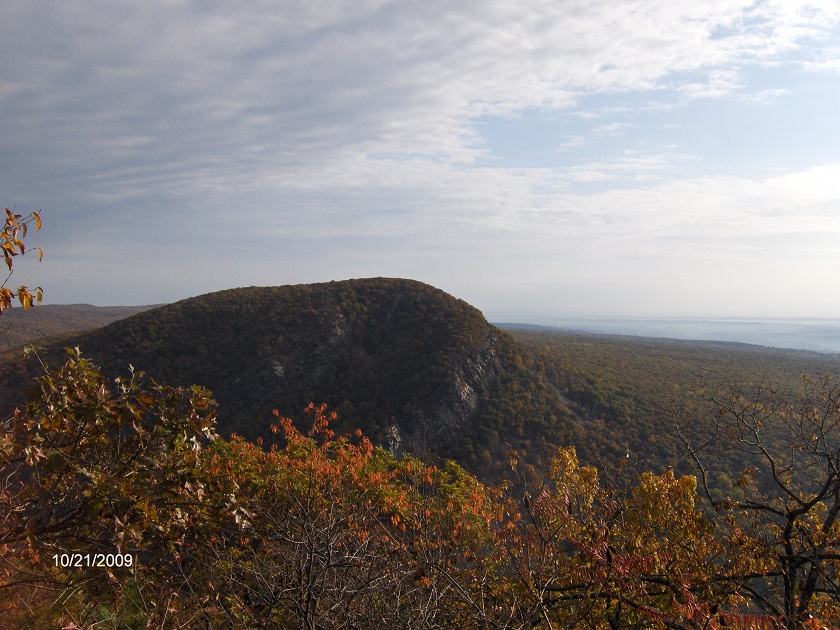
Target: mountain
19 326
414 368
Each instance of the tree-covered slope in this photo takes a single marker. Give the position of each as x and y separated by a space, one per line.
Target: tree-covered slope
413 367
629 390
122 508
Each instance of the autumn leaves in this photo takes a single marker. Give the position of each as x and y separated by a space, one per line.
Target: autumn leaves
11 243
330 532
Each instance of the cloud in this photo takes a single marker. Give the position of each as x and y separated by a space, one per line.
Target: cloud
764 97
719 83
211 127
827 61
180 96
611 128
712 212
572 142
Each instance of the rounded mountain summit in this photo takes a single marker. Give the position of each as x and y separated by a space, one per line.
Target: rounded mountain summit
417 370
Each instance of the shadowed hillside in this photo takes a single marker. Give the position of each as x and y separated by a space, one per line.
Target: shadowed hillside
420 371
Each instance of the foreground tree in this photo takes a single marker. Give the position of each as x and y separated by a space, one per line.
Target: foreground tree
632 552
97 497
121 508
333 533
781 528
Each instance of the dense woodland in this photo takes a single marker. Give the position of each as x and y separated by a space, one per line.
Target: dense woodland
633 391
382 352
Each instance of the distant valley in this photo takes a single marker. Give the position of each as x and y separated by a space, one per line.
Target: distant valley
820 335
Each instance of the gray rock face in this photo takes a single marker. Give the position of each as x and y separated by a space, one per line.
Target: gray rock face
437 423
427 425
305 363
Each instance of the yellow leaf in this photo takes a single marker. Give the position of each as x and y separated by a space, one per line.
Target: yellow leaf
24 298
37 218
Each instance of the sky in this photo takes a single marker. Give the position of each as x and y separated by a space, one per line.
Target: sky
597 158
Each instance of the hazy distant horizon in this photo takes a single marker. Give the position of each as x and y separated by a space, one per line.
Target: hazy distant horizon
795 333
817 334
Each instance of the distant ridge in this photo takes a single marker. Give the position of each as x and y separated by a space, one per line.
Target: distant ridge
19 326
819 335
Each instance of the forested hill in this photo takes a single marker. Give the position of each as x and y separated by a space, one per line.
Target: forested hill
414 368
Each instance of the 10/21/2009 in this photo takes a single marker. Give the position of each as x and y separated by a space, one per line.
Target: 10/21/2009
82 560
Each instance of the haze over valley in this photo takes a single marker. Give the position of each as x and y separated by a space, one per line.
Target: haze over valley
821 335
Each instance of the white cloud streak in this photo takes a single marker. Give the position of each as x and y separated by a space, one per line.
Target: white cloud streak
217 90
